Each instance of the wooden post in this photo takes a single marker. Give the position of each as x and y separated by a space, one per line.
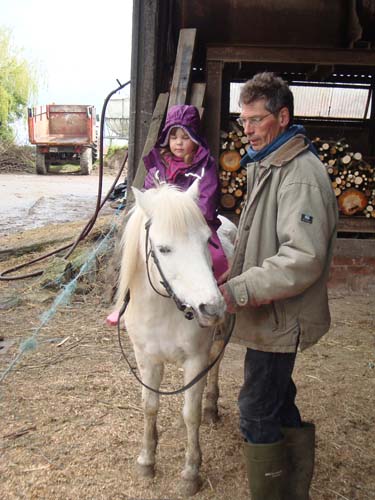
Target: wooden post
214 72
143 89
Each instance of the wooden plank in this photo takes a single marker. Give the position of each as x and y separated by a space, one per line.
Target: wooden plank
153 134
356 225
197 95
182 67
198 91
214 72
248 53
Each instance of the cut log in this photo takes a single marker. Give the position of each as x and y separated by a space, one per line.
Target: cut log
345 160
352 201
230 160
228 201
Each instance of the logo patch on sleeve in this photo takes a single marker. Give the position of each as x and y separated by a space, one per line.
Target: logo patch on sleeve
307 218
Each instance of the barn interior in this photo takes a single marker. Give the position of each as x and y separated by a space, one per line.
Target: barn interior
320 48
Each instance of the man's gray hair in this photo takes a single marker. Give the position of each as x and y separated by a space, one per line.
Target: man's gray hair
273 89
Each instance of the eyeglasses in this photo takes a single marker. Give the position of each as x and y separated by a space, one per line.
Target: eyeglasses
255 121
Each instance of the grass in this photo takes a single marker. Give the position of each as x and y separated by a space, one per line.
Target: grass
67 168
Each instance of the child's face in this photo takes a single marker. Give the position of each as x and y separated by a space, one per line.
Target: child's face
180 143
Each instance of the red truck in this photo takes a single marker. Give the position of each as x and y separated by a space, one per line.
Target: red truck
63 134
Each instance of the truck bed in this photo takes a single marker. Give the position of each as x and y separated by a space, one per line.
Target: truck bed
61 140
62 125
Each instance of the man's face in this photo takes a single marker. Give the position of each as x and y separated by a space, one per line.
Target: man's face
261 126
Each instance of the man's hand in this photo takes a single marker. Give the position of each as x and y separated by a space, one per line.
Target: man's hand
232 306
223 278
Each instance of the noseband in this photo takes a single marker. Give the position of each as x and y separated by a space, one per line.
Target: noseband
185 308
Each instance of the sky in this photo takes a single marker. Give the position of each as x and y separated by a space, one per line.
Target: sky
79 48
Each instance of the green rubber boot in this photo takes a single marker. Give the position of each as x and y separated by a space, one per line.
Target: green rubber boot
300 455
266 464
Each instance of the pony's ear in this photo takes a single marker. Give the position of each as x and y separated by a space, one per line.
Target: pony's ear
193 190
141 200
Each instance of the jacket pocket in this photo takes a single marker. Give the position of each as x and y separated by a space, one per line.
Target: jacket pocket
278 315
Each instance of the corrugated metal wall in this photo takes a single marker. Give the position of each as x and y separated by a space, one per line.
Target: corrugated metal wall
321 101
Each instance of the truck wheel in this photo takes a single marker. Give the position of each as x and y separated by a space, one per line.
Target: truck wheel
40 163
85 162
95 151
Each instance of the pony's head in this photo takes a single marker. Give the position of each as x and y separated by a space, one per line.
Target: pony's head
178 235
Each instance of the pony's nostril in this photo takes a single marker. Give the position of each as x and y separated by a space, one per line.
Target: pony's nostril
208 309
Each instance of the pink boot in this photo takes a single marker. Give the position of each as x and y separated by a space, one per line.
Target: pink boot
112 319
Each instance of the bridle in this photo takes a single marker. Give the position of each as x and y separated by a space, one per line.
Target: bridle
185 308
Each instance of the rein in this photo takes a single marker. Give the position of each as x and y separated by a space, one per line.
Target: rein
188 313
185 308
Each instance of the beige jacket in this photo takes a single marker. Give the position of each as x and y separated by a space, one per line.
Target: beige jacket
284 250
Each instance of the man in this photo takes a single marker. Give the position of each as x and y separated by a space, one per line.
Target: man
277 286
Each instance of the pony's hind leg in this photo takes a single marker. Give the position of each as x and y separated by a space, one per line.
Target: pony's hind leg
210 408
192 414
152 375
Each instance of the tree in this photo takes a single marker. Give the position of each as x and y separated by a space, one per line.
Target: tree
17 84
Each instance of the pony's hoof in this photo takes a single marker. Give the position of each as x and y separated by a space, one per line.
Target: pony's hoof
190 487
210 416
146 471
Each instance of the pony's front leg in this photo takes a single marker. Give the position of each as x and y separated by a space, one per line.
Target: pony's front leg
152 375
210 409
192 414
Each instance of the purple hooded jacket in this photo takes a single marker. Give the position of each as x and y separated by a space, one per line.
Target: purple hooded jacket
187 117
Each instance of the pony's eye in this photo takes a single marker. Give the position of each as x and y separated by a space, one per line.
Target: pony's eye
164 249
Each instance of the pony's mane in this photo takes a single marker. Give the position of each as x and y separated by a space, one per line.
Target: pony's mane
171 210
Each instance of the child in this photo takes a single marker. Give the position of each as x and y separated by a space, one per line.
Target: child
179 157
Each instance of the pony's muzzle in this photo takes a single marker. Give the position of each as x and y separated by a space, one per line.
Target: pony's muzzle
210 314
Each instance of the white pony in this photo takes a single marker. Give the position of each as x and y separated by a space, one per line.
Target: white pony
167 225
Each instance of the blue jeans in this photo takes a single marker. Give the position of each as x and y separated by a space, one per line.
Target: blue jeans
267 397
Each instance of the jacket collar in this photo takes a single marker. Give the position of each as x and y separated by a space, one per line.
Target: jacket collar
287 152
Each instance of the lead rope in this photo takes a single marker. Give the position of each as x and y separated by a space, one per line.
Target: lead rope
195 379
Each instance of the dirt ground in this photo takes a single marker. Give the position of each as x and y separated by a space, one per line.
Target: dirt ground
72 419
32 201
71 412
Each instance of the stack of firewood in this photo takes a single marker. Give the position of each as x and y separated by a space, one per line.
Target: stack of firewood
232 177
353 178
